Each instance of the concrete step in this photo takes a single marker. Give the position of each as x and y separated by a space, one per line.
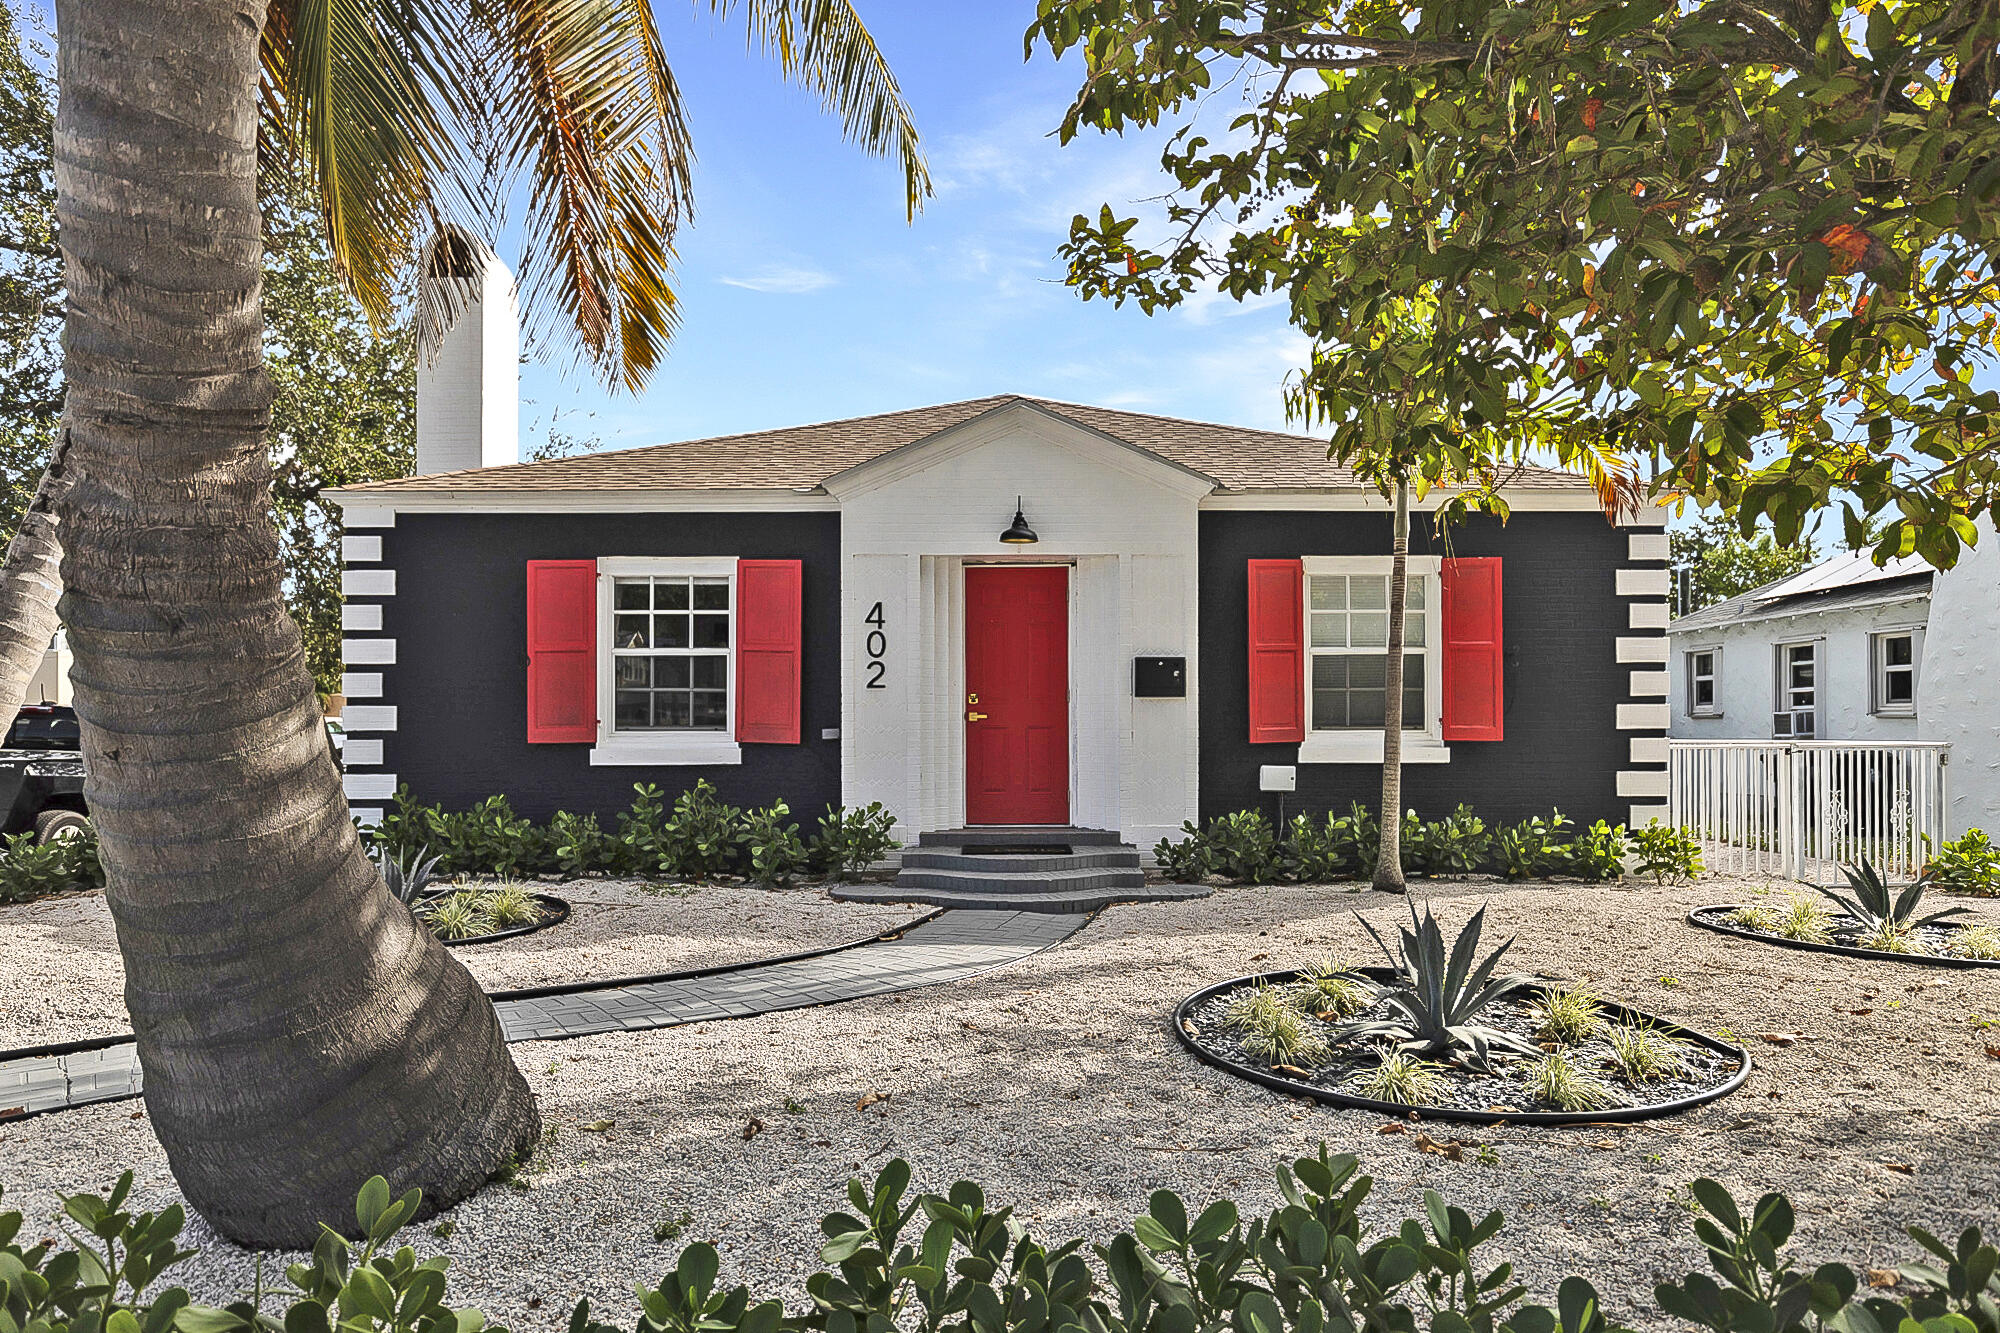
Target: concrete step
1034 835
1083 858
1051 901
1022 881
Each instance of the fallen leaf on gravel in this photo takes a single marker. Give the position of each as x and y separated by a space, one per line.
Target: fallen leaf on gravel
534 1302
141 1115
1291 1069
1992 1053
1782 1038
1187 1026
1393 1127
1604 1143
1883 1277
1258 957
1861 1013
752 1128
869 1099
598 1126
1902 1168
1450 1149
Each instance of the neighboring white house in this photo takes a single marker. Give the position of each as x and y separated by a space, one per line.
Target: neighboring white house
1848 652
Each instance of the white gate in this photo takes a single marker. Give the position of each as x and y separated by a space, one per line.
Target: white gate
1802 808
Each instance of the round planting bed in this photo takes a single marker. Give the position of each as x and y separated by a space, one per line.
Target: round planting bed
1716 1068
555 911
1716 918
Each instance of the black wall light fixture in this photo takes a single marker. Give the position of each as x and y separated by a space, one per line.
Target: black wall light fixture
1019 533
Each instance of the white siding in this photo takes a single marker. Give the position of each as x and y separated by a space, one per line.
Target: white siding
1958 683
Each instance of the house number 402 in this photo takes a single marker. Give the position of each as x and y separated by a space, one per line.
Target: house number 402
877 645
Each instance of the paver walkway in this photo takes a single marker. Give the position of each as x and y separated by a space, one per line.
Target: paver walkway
949 947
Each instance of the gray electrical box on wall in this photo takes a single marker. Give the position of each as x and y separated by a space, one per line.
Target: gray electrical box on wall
1159 678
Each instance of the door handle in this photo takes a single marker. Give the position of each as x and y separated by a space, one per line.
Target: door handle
975 717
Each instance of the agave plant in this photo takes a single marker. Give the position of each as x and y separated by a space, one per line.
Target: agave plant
1878 909
408 875
1430 1010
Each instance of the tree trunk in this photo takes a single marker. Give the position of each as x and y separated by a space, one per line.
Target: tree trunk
30 584
298 1029
1389 863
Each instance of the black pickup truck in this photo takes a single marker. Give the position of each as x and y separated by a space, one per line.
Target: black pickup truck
41 773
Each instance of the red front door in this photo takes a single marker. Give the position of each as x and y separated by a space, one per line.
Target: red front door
1017 695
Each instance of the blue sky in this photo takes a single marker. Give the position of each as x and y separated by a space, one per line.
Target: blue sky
807 298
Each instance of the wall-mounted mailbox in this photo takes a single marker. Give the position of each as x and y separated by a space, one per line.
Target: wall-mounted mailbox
1159 678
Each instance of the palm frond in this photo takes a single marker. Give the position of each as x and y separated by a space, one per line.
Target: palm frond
823 46
1611 472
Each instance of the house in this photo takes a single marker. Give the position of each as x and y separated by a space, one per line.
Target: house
1846 652
1003 611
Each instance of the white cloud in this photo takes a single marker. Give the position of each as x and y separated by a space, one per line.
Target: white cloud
782 281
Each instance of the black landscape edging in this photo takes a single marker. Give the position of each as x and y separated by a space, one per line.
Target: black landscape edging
1849 950
555 911
1460 1115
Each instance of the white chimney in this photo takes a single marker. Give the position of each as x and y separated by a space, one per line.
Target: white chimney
469 393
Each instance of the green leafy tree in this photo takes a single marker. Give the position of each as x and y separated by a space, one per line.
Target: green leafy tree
1753 244
30 269
1713 561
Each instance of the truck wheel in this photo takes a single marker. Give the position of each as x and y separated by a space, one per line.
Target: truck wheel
53 824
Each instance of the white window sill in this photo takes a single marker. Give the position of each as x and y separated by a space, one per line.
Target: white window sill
1365 747
1705 712
644 751
1905 713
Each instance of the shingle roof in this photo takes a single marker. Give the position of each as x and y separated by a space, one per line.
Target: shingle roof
1770 602
802 458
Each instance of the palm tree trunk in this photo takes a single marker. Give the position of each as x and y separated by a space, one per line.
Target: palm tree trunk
299 1030
31 584
1389 863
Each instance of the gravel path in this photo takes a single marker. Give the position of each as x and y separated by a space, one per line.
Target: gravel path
1056 1083
61 978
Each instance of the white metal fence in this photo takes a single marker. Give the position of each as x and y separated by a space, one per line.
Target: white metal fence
1801 808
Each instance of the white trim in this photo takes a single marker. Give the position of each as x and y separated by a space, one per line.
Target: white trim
1878 669
1365 747
1642 582
361 751
368 652
1642 717
1368 499
361 615
662 748
1643 815
367 583
1649 684
1714 653
628 500
1650 649
1648 615
1648 546
368 717
1356 746
359 550
1642 782
1014 420
1645 749
368 816
358 513
361 684
369 786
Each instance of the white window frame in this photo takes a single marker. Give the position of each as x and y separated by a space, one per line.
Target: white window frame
1714 706
660 747
1878 670
1425 746
1781 701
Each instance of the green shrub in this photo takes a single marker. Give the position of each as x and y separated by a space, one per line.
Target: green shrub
29 869
1567 1014
1243 847
1458 844
1314 851
705 836
458 915
1668 854
955 1263
1358 836
642 846
1982 942
1556 1080
1597 853
1533 848
1186 861
511 905
775 851
1401 1078
1968 864
580 847
850 839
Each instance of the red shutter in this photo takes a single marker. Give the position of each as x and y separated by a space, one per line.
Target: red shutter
769 600
1474 689
562 651
1277 651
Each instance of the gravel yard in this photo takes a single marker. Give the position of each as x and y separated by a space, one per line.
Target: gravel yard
1056 1083
61 979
